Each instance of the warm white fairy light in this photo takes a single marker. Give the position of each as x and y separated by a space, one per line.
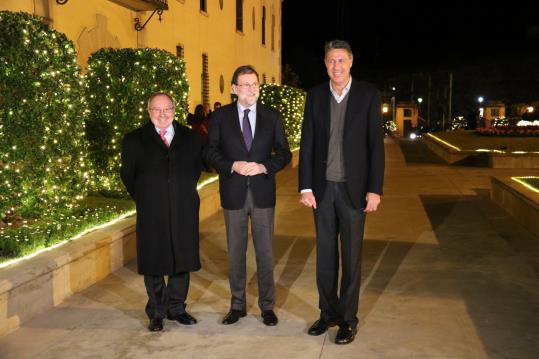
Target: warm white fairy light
290 102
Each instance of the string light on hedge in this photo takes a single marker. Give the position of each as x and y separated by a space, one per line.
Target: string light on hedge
290 102
29 172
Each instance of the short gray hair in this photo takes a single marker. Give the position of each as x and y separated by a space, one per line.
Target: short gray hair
337 44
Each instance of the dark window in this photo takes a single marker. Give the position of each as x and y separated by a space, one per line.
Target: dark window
272 32
179 51
239 15
203 5
205 77
494 112
407 112
263 25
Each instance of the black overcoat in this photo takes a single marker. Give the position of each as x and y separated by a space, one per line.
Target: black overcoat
163 183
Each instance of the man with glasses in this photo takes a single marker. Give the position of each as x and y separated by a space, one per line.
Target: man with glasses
247 145
161 164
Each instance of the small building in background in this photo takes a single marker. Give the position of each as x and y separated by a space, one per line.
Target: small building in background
490 111
406 118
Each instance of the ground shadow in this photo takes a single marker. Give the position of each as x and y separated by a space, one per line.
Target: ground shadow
489 259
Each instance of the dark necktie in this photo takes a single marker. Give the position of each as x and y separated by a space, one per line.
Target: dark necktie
247 132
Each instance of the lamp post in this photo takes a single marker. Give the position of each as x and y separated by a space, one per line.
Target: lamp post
393 107
419 101
480 121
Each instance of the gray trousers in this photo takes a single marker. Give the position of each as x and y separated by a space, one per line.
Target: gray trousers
236 222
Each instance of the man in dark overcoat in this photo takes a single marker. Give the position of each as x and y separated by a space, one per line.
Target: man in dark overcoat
161 164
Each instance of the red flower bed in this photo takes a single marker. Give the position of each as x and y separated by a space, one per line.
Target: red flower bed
514 131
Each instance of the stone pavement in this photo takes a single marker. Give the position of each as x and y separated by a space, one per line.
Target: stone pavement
446 274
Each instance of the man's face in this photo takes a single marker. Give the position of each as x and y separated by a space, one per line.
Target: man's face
161 111
207 109
246 89
338 63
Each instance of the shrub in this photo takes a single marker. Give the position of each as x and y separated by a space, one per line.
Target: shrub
499 121
458 122
290 102
42 109
119 82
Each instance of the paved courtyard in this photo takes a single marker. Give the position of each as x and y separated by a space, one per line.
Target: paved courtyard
446 274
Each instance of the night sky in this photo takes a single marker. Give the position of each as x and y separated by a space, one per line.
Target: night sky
392 41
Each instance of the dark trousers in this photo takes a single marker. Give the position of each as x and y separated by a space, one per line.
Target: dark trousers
335 218
236 222
166 298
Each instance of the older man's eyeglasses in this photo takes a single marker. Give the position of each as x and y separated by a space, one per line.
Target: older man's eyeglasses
253 86
167 110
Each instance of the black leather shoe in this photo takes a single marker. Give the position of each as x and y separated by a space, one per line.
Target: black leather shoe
320 327
269 318
156 325
184 318
233 316
345 335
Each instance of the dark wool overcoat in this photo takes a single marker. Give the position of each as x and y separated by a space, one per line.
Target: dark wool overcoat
163 183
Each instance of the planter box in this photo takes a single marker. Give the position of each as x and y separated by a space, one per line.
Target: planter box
522 203
37 284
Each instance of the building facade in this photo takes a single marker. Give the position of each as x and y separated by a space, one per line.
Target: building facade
213 36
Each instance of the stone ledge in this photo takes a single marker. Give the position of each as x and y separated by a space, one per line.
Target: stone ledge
448 154
294 162
515 160
37 284
490 159
522 203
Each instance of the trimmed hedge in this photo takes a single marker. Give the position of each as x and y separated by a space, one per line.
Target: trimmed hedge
119 82
290 102
42 108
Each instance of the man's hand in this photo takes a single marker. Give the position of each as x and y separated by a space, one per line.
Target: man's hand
373 200
253 169
239 167
307 199
248 168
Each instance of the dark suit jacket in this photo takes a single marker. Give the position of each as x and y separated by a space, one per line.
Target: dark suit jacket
163 183
363 144
226 145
